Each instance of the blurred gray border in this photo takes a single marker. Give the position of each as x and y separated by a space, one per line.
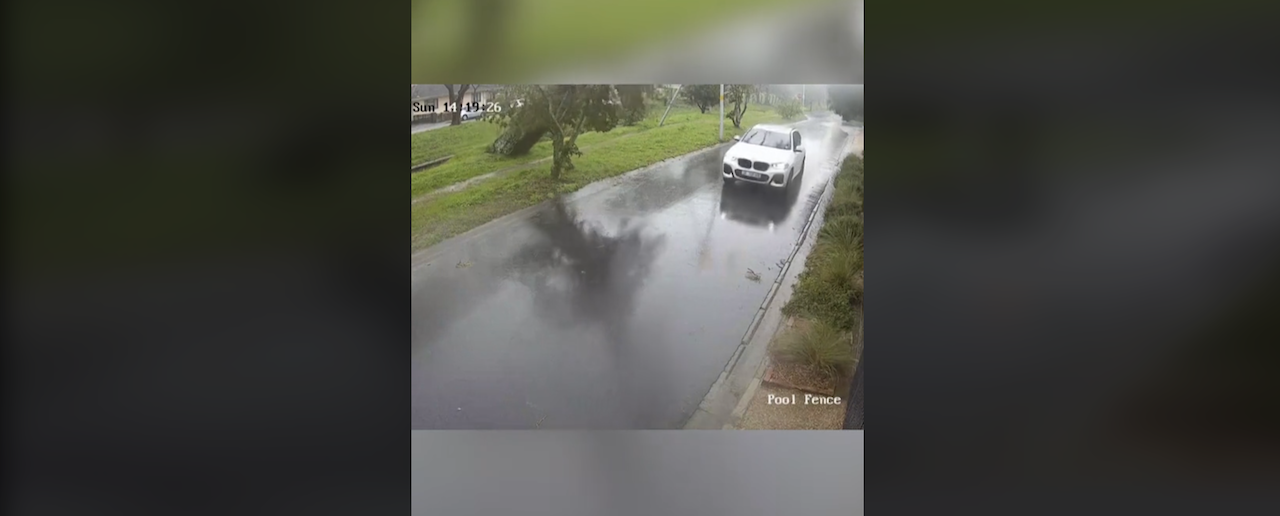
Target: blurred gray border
807 44
649 472
820 44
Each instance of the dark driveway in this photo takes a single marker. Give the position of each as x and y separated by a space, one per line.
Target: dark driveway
616 309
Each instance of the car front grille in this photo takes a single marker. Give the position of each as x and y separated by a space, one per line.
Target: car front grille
744 163
761 166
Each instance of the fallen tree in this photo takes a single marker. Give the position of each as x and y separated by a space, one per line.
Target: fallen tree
517 140
560 113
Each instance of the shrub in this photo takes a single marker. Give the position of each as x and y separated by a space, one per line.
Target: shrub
826 290
790 110
821 346
839 264
847 199
830 288
844 206
843 232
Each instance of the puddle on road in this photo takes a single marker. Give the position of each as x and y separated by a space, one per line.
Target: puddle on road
667 184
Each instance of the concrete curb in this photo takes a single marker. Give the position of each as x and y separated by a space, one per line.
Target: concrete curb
718 387
428 164
750 394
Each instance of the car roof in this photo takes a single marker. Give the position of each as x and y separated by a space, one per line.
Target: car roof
773 128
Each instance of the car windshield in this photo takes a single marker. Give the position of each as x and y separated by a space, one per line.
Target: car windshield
768 139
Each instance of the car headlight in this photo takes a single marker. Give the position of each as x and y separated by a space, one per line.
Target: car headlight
778 166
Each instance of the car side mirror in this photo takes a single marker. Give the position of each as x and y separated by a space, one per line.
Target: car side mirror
799 148
737 138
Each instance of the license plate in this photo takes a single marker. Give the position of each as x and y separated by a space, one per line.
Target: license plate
750 174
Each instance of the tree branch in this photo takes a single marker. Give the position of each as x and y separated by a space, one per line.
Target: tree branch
550 110
582 117
563 99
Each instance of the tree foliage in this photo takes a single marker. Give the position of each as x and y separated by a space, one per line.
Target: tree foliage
631 99
560 113
790 110
702 95
846 101
737 95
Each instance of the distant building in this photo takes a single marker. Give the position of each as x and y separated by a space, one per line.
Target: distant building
437 95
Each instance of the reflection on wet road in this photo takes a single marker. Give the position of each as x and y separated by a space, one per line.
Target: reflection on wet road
617 308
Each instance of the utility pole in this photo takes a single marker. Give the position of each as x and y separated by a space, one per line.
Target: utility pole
721 112
669 104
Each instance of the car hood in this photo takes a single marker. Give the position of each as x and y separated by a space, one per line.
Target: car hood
758 153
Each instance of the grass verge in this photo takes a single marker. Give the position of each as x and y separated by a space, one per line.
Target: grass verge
820 346
453 213
467 144
830 288
828 294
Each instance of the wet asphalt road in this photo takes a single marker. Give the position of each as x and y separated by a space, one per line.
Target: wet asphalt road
616 309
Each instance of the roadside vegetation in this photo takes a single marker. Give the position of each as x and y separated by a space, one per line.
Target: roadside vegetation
548 167
790 110
828 294
469 143
820 346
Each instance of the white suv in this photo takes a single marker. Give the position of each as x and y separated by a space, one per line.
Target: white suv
767 154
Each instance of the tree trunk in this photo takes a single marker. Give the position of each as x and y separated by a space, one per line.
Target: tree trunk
563 158
577 130
559 155
456 117
516 142
740 103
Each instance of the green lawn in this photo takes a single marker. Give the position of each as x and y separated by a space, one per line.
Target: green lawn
467 143
453 213
438 143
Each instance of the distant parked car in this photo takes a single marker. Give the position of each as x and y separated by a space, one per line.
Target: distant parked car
767 154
